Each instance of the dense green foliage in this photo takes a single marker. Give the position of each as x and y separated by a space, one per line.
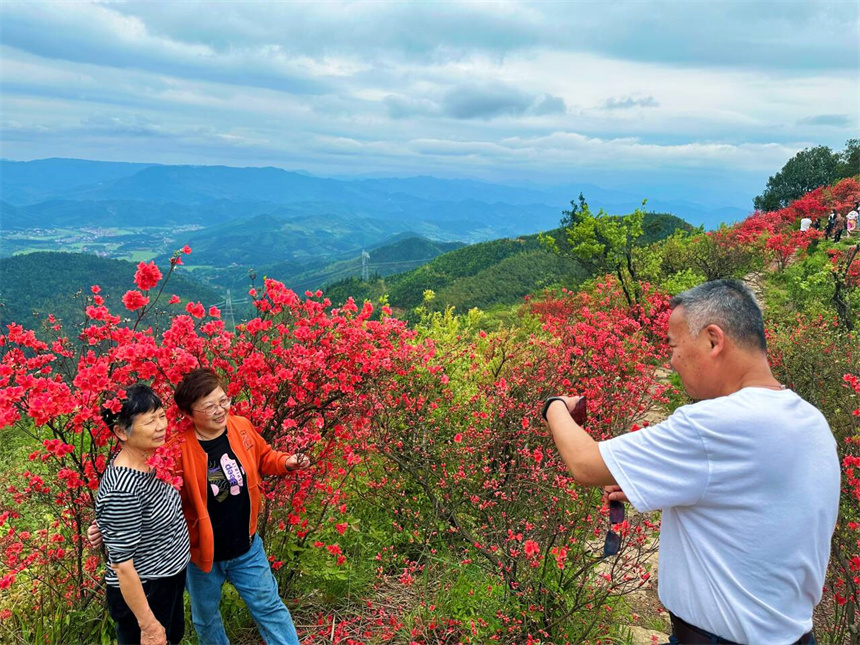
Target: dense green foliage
807 170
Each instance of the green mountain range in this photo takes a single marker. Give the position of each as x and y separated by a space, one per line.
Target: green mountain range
484 275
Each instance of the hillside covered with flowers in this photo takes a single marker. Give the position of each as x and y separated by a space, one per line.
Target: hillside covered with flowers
437 509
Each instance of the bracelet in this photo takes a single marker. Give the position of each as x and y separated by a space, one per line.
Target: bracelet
547 403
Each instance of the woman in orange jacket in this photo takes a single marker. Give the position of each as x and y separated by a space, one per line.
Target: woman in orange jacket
222 459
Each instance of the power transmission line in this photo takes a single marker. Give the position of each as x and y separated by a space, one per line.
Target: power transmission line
230 310
383 264
365 256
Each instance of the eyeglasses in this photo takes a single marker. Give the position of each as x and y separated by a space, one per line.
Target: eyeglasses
213 408
613 540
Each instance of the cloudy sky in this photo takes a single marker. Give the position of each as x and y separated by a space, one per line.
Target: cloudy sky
712 95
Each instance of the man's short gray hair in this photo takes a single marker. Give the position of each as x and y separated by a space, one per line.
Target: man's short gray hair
729 304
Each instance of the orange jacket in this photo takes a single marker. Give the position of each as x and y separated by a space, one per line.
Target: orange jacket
256 457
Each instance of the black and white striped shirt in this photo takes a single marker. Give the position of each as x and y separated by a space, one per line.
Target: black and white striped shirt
140 517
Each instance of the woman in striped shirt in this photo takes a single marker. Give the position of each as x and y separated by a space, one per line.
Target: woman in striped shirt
143 528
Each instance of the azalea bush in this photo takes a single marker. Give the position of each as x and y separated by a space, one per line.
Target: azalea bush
306 375
844 578
387 418
470 475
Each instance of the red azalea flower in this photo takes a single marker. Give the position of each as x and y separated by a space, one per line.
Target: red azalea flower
195 309
134 300
147 276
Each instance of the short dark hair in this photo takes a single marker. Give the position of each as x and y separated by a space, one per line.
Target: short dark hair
194 386
139 399
729 304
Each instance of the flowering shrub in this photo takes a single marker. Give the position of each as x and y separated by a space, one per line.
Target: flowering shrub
306 376
465 448
844 579
784 247
723 253
844 194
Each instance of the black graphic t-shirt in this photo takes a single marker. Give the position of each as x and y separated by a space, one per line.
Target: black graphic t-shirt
227 500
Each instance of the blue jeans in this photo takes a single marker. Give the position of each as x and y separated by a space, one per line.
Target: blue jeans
251 575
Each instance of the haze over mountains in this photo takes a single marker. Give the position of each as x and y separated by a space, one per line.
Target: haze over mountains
48 191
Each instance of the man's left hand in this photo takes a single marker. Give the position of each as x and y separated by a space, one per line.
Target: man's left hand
570 402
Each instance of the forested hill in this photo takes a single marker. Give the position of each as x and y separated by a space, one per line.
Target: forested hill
46 283
406 252
484 275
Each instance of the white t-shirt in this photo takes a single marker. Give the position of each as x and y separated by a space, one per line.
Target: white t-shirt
749 487
805 223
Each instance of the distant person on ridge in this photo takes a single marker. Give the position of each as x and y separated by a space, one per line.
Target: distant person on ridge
838 227
831 222
747 478
851 221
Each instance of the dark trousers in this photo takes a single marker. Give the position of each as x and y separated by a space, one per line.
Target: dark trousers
165 600
683 633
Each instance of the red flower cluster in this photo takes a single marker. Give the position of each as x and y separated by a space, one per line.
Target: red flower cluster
147 276
134 300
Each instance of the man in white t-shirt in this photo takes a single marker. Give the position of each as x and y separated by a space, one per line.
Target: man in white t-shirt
747 479
805 223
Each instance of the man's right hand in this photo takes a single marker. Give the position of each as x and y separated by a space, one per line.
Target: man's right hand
153 633
94 537
613 493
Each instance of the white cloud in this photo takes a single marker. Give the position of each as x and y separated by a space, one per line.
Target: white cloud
504 87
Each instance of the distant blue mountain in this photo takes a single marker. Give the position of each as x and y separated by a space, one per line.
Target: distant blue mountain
201 184
46 192
28 182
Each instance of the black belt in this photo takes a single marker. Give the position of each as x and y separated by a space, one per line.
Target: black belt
688 634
